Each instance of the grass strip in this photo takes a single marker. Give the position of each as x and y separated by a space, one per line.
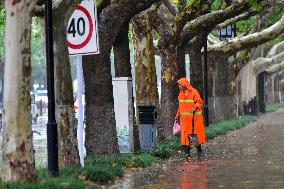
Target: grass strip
274 107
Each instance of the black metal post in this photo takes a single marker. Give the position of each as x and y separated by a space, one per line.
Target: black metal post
52 141
205 84
235 30
261 92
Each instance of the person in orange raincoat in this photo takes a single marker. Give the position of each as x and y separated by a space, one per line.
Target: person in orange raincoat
189 102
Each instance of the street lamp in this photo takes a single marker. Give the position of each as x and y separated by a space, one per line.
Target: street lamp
52 139
205 84
227 32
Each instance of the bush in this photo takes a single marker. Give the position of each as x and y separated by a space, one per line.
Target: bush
167 148
102 173
142 160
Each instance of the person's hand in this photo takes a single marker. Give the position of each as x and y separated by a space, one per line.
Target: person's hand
194 108
176 119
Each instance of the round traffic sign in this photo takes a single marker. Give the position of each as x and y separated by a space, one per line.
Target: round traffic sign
77 35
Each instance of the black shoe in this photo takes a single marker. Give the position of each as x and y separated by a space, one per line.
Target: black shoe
186 149
199 149
186 155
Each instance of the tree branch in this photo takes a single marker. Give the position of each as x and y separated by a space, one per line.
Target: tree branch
266 11
209 20
261 63
190 12
243 16
171 7
275 68
109 27
240 43
181 5
159 22
276 49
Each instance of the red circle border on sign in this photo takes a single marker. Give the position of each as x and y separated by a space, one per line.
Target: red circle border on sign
84 43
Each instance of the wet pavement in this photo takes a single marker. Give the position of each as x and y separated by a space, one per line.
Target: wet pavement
252 157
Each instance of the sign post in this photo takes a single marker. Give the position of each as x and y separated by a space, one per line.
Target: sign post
82 39
80 129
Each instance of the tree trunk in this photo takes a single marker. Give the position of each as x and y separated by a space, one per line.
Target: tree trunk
196 73
169 92
18 155
101 136
269 89
122 53
225 89
181 62
281 85
276 88
145 68
65 114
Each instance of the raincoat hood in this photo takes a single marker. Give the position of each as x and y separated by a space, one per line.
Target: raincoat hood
184 82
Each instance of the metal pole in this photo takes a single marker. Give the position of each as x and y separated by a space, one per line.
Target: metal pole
52 143
205 84
80 131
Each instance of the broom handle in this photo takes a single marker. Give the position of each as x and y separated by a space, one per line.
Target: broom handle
193 122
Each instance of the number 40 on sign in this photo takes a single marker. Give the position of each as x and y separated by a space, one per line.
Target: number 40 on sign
82 30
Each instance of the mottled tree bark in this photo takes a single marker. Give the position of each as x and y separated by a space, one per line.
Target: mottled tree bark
281 85
269 88
225 89
65 114
101 136
276 88
145 69
169 92
18 162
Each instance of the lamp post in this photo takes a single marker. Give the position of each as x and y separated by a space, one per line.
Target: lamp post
205 84
52 139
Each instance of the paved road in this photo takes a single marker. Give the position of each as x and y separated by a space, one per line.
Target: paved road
252 157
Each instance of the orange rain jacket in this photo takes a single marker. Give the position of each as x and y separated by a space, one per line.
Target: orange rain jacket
187 99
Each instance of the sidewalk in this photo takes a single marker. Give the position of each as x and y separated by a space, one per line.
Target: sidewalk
252 157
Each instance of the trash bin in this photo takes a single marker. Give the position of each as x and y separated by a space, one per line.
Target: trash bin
147 129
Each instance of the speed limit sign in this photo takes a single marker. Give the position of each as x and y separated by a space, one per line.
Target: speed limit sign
82 30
